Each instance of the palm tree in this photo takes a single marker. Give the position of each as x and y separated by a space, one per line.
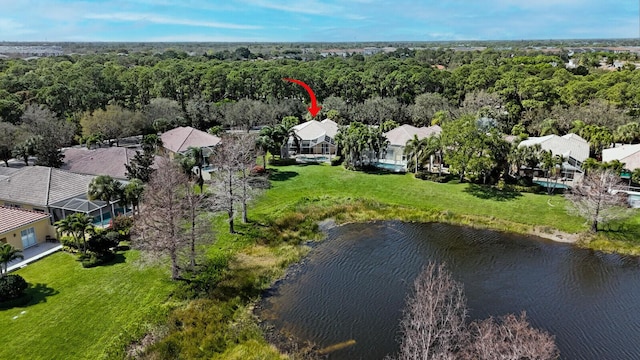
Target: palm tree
133 193
82 224
413 149
264 143
197 155
105 188
64 226
627 133
590 164
7 254
78 225
433 148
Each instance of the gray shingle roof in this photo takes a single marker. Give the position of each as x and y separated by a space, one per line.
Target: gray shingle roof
42 186
103 161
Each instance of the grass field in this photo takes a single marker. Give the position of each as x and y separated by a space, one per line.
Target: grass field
78 313
88 313
293 183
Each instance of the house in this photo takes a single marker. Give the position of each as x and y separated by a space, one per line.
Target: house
572 147
629 155
180 139
398 138
24 228
315 138
102 161
53 192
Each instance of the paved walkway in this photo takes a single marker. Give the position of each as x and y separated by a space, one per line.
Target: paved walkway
34 253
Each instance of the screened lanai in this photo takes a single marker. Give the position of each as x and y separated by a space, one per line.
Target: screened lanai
99 210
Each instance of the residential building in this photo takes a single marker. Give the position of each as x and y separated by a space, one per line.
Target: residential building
315 138
398 138
180 139
54 192
572 147
109 161
24 228
627 154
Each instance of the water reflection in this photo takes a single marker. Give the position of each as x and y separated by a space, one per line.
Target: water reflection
353 286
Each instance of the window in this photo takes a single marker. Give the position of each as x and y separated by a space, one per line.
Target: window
28 237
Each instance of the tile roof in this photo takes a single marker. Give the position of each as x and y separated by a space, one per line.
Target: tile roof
12 218
400 135
629 154
102 161
182 138
41 186
314 129
567 145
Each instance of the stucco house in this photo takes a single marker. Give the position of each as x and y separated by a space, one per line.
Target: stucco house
50 191
102 161
314 137
572 147
628 154
398 138
24 228
180 139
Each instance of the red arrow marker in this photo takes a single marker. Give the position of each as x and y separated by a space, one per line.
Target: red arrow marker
314 109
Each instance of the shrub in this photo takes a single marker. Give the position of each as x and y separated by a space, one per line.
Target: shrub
69 242
122 224
337 160
101 243
258 170
92 260
435 177
11 287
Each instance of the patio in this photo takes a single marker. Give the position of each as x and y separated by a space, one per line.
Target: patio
34 253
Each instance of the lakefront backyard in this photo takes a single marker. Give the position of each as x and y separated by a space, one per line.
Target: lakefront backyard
94 313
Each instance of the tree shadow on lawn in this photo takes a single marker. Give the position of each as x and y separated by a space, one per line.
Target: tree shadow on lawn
491 193
39 293
621 231
35 294
277 175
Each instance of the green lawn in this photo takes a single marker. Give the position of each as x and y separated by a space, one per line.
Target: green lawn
79 313
293 183
82 313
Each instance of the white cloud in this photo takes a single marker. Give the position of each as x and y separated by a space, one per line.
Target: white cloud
167 20
301 6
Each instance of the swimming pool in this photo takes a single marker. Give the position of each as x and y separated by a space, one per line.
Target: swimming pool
552 184
391 167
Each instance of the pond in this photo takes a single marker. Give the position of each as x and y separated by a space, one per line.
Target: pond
353 286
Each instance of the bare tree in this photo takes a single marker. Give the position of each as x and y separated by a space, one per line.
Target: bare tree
246 159
433 326
193 201
224 181
160 226
509 338
596 198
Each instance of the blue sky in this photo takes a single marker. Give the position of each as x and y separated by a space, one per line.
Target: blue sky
315 20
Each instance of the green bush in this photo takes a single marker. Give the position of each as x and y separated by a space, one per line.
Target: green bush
435 177
122 224
337 160
90 260
12 287
101 243
69 242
